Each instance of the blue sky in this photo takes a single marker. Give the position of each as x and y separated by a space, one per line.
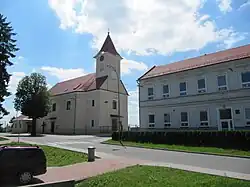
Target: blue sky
59 38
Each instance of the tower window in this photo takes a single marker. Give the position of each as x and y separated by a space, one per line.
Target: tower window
102 58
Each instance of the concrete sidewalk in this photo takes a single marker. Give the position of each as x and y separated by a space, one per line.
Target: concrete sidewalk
85 170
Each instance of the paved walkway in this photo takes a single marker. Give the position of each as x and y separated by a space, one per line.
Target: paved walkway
85 170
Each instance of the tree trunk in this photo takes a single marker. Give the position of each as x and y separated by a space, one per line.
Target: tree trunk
33 131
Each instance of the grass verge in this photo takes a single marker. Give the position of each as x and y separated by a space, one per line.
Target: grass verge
3 139
56 156
211 150
152 176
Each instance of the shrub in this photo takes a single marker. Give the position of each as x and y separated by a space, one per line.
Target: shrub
221 139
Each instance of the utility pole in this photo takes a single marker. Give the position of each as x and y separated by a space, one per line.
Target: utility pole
120 128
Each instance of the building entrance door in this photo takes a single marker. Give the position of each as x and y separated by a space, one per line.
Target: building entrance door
114 124
225 119
52 129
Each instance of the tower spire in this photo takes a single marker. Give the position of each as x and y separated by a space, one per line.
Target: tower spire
108 46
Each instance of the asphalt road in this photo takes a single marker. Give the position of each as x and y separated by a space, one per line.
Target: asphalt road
239 165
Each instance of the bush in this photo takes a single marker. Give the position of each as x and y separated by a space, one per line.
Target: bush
221 139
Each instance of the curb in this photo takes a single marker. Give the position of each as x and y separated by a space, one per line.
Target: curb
183 151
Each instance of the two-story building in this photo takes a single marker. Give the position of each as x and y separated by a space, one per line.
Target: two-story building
93 103
207 92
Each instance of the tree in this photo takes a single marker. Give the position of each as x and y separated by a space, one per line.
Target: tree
7 49
12 119
32 98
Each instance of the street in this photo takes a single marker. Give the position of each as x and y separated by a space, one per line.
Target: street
81 142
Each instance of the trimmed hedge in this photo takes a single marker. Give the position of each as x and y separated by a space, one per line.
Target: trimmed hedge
222 139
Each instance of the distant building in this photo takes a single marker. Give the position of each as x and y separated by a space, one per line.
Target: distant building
21 124
207 92
89 104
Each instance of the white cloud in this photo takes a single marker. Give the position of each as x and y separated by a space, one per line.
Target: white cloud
14 80
247 3
231 37
225 5
133 108
127 66
18 60
63 74
141 26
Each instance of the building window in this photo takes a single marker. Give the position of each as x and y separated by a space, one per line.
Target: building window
92 123
93 102
68 105
167 122
245 79
101 66
20 125
222 82
54 107
151 120
15 125
201 85
183 88
165 91
247 116
203 118
150 93
114 103
184 119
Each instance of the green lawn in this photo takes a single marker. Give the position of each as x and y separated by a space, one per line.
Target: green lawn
213 150
3 139
152 176
57 156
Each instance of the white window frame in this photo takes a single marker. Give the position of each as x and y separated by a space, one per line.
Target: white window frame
244 84
202 90
165 95
150 97
183 91
204 121
151 125
184 122
167 124
245 117
225 87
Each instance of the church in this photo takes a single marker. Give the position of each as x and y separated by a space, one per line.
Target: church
91 104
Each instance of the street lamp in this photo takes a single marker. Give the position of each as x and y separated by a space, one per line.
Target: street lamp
118 94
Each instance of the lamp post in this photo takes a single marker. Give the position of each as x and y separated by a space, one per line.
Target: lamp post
118 96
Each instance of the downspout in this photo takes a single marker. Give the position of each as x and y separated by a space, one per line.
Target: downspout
74 127
139 103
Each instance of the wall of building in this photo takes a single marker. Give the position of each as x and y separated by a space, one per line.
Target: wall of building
236 96
20 126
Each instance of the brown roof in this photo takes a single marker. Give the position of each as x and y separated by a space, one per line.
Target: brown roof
83 83
108 46
198 62
22 117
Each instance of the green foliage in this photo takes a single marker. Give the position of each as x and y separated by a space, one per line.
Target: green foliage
7 49
32 98
222 139
11 120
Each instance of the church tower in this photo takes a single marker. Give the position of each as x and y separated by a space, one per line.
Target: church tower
108 60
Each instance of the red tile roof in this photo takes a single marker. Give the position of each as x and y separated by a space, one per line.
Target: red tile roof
81 84
78 84
108 46
198 62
